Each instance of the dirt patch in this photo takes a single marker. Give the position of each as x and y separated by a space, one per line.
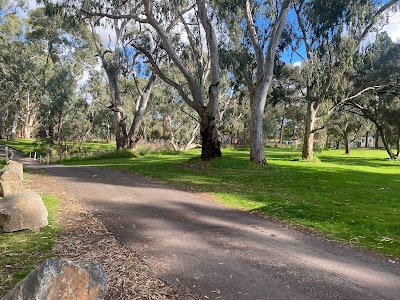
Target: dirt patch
84 237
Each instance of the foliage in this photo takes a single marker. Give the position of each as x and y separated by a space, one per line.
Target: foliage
22 251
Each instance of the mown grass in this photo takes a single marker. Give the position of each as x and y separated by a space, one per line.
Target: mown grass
352 198
21 252
30 145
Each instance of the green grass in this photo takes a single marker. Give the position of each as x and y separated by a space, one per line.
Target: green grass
30 145
352 198
22 251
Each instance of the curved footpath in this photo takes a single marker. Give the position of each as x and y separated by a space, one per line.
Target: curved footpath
219 252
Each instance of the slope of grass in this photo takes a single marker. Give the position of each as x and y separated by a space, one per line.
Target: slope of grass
21 252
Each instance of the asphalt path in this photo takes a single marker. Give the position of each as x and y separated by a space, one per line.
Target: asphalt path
219 252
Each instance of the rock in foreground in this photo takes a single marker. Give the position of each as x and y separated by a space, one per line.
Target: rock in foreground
11 177
57 279
24 210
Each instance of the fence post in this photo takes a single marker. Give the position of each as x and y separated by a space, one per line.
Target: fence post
40 159
6 153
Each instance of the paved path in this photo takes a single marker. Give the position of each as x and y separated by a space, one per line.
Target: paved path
223 253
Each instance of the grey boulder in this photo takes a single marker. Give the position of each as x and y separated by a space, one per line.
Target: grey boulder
24 210
57 279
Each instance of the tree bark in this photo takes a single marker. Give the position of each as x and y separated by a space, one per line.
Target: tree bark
14 127
121 136
257 153
281 130
347 145
376 139
309 130
366 139
210 142
133 135
386 143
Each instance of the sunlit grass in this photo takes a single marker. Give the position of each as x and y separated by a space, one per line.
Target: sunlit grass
352 198
21 252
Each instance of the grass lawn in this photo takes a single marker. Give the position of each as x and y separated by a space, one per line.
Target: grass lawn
21 252
30 145
352 198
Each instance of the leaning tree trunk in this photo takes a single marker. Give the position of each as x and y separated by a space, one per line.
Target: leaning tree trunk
386 143
308 142
133 135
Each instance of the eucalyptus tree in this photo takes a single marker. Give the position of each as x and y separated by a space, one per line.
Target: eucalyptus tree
16 83
187 35
330 38
347 127
379 72
251 54
116 56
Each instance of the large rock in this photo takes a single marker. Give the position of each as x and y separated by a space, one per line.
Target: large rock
8 188
62 280
12 171
11 179
24 210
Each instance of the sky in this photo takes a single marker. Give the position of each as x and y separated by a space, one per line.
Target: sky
392 28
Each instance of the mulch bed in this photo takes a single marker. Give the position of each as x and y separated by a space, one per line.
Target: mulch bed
84 237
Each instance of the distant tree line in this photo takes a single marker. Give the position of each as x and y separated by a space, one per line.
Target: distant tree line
200 72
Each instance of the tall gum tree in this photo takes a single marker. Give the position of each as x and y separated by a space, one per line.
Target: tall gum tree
110 15
252 60
320 30
187 35
196 59
264 75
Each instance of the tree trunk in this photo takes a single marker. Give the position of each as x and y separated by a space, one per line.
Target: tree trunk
2 124
337 145
377 139
281 130
366 139
386 143
257 153
347 144
121 136
14 127
210 143
309 130
133 135
194 133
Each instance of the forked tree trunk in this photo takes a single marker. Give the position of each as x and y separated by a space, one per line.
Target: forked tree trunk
133 135
121 136
308 142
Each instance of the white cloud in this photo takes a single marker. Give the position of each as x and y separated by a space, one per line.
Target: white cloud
393 26
297 63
